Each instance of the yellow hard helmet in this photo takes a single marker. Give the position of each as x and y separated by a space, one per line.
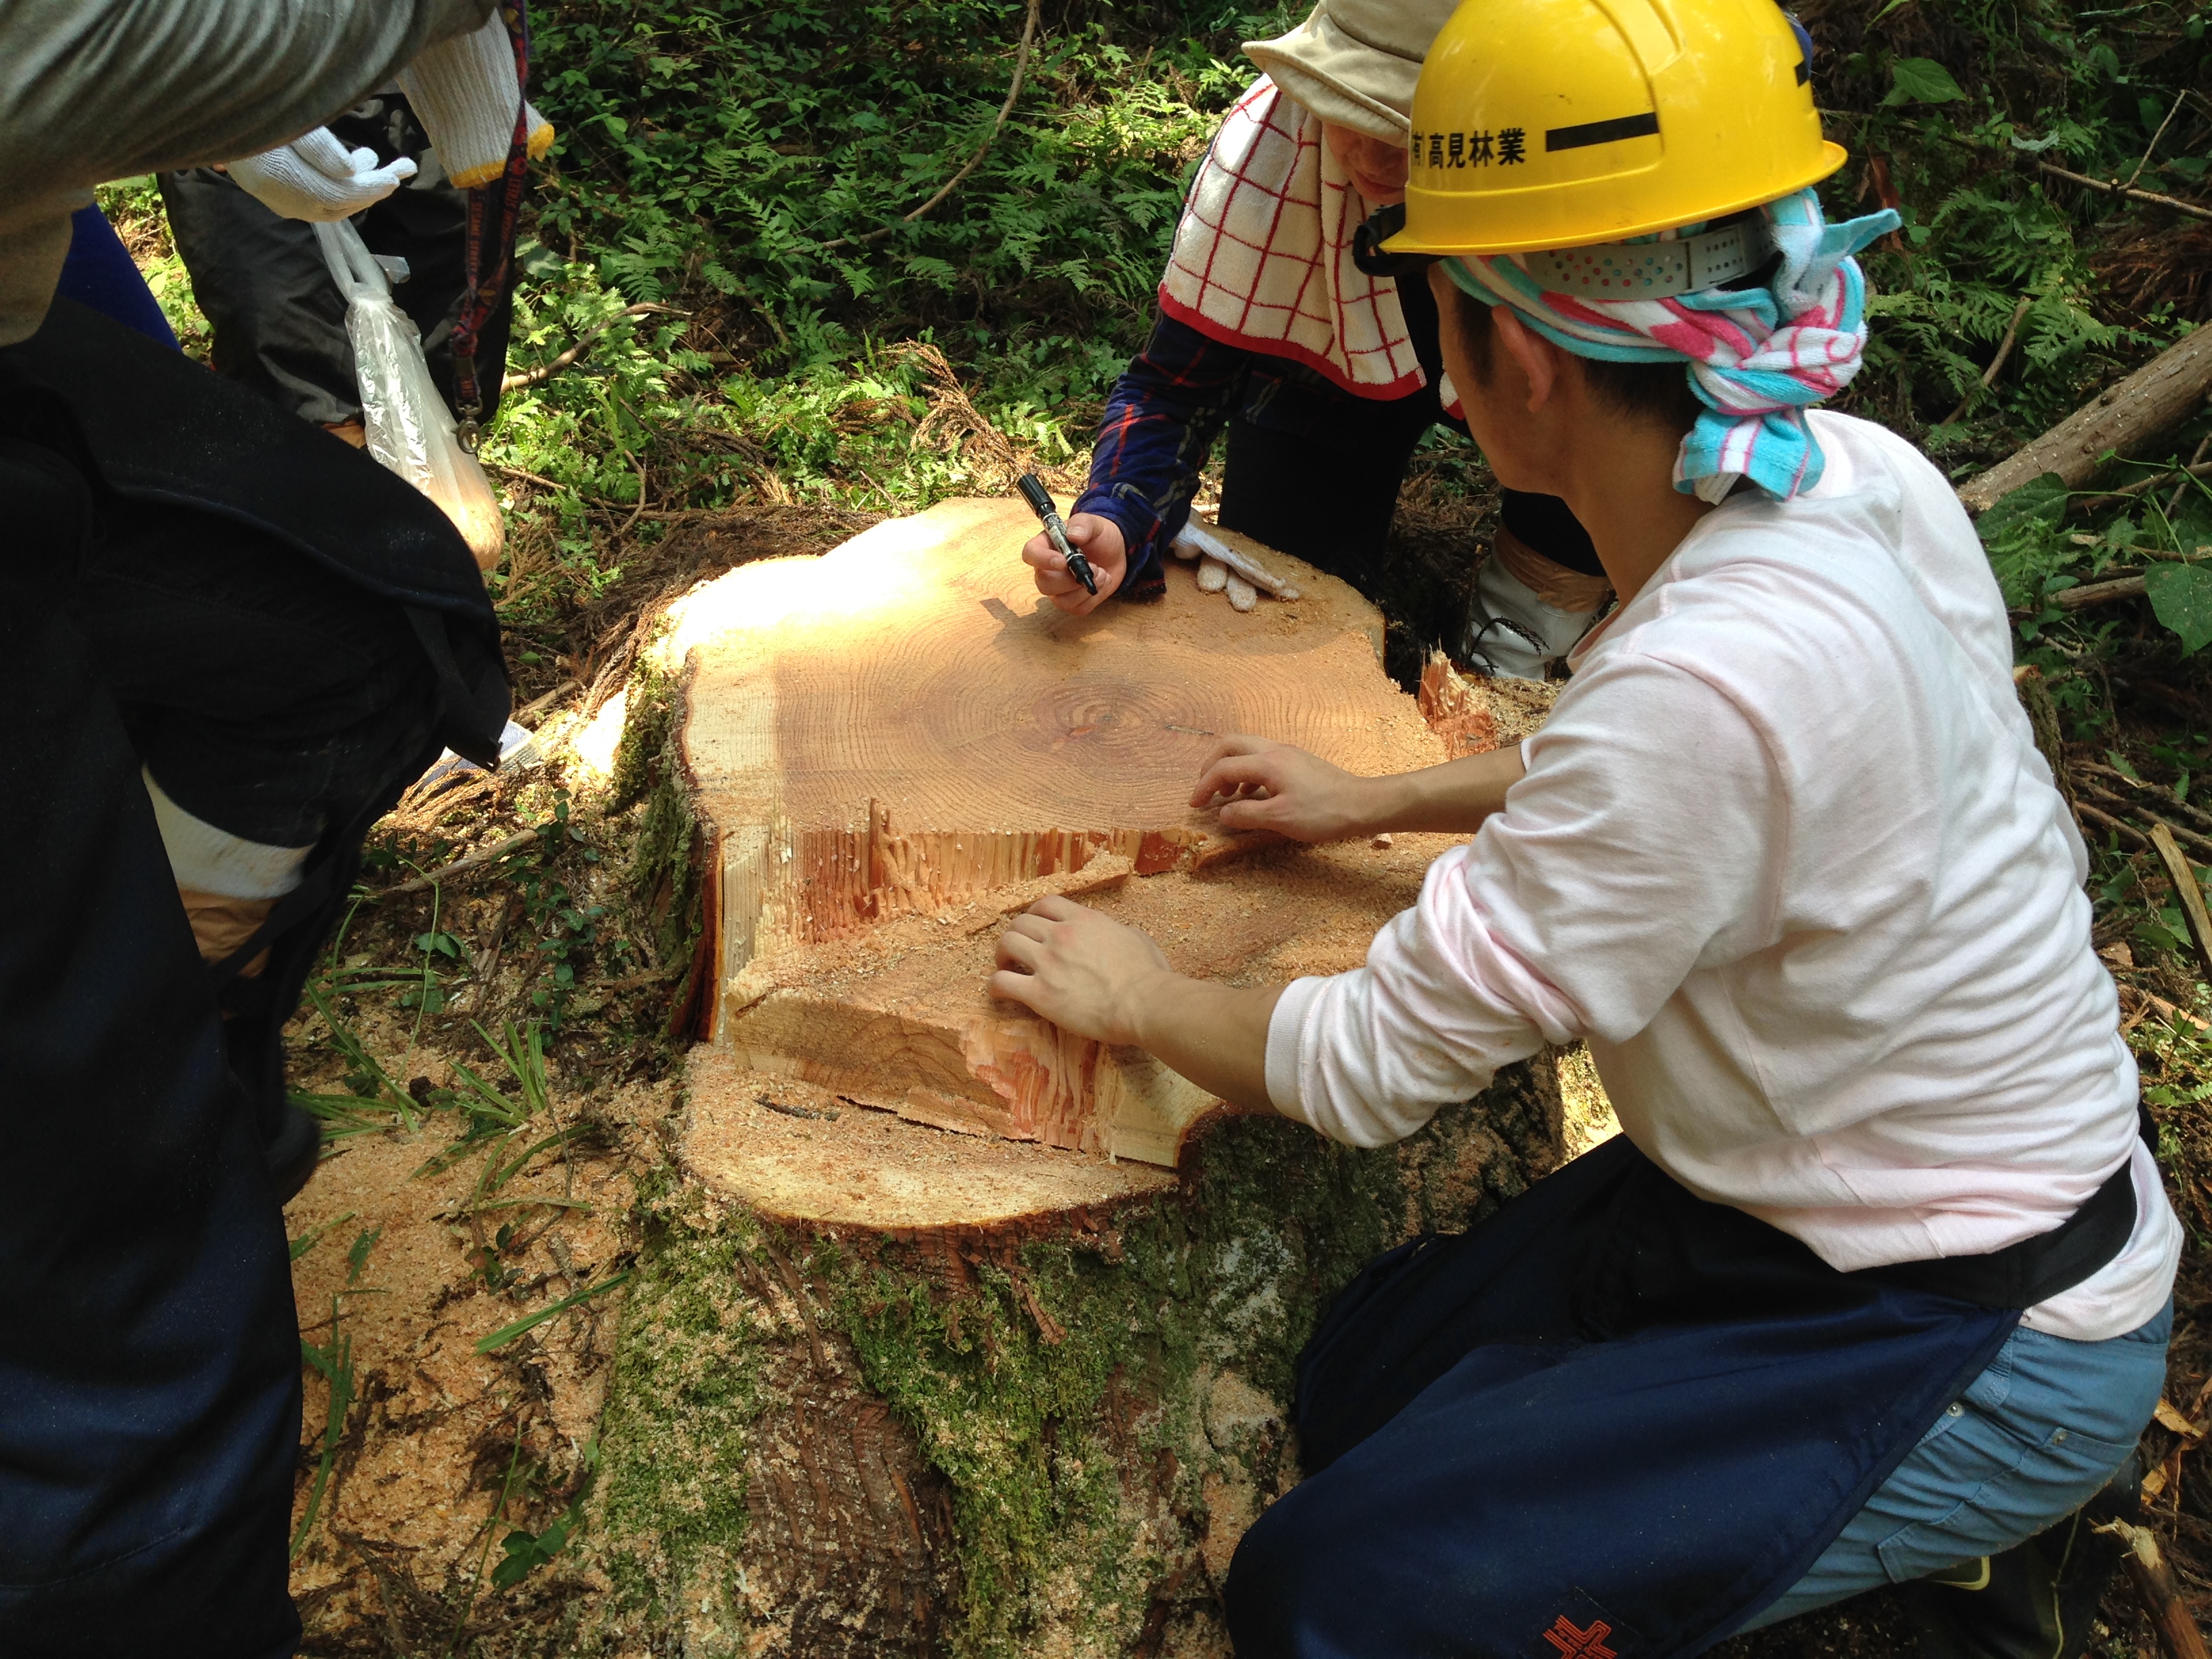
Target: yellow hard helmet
1557 124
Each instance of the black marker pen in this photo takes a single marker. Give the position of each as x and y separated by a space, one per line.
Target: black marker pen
1040 500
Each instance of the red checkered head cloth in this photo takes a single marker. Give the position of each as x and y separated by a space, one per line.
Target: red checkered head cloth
1262 256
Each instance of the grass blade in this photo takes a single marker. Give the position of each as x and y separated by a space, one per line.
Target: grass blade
307 1242
335 1362
507 1334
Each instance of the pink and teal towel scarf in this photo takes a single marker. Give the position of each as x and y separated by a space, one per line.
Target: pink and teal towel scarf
1758 357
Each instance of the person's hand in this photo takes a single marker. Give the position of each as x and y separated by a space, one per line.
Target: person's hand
317 179
1265 785
1082 970
1099 540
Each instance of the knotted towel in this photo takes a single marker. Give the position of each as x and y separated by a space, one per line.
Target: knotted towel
1758 357
1262 256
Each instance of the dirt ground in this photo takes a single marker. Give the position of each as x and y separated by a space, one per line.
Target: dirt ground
434 1502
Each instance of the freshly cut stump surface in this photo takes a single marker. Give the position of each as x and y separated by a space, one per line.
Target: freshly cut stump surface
899 745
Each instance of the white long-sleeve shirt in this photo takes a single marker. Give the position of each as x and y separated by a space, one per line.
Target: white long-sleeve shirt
1786 856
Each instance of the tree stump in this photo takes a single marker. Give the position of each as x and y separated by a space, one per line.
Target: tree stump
960 1334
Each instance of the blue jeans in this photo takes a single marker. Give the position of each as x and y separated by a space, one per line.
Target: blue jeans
2034 1436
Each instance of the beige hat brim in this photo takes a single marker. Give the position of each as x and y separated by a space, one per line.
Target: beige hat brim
1364 84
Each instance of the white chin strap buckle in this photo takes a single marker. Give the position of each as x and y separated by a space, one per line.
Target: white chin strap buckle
1654 271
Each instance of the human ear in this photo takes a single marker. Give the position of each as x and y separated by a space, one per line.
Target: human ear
1539 358
1449 339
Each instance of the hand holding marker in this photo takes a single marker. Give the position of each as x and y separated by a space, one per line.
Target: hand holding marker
1040 500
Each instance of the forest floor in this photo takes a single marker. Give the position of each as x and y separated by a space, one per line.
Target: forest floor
776 350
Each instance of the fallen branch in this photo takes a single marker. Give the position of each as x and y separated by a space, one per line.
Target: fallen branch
2110 187
2187 892
2089 594
2113 187
1997 362
2201 844
482 855
544 372
2161 1596
2127 833
2195 815
2162 1008
2158 395
2149 482
1013 92
2151 149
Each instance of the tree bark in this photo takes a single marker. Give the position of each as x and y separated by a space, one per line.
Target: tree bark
2158 395
989 1440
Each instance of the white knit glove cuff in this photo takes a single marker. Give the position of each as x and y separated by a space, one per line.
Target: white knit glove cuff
317 179
464 93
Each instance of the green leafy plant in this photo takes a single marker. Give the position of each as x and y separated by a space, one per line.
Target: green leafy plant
2181 597
522 1552
1921 81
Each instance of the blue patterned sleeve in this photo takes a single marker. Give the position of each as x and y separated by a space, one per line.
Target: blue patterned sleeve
1160 423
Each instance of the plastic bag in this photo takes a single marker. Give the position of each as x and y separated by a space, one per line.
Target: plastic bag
409 429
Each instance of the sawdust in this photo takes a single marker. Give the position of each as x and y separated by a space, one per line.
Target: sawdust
445 1450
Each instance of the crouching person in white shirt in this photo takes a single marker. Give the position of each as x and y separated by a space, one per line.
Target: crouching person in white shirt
1876 1285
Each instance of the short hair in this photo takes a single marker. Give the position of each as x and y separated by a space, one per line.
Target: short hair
1657 392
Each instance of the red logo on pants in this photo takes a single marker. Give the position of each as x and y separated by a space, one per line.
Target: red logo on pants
1574 1643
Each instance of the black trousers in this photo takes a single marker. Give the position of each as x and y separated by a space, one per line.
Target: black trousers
149 1386
1327 497
1314 471
279 323
204 587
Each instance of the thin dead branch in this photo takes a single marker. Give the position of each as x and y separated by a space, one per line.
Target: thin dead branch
2113 187
2203 844
544 372
2104 820
1997 362
2151 150
482 856
2195 815
1013 92
2128 492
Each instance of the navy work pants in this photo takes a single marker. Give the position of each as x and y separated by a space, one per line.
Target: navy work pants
149 1360
1612 1417
149 1365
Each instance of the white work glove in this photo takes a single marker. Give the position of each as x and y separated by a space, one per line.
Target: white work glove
464 93
317 179
1223 569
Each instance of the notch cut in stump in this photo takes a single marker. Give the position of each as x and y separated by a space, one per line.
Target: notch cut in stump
900 742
